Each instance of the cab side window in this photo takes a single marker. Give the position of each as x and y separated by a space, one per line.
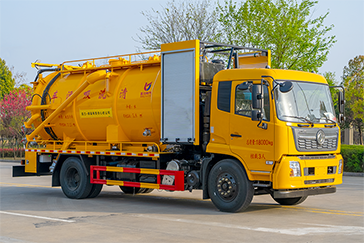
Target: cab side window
243 103
223 96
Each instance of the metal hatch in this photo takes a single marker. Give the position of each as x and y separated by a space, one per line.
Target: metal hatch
179 104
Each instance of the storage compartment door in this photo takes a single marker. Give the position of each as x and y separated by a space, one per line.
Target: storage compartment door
178 96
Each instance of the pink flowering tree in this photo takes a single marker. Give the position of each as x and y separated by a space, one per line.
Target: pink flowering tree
13 114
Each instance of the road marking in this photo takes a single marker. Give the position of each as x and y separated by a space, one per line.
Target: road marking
325 211
320 229
22 185
8 239
38 217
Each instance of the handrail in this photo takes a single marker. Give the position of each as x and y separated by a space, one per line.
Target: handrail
108 57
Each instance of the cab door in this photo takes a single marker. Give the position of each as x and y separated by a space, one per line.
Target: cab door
254 145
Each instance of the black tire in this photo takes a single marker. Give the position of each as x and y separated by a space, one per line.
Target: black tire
74 180
148 190
135 190
95 190
131 190
290 201
229 187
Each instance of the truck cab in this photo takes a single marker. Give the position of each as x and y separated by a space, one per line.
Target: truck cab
290 142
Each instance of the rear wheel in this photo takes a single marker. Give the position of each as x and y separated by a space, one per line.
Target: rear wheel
148 190
229 187
74 180
95 190
131 190
135 190
290 201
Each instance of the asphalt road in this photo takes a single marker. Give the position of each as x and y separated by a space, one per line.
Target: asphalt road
32 211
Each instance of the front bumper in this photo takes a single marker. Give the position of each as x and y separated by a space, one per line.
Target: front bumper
304 192
316 172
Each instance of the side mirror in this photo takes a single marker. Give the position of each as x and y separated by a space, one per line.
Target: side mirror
256 115
286 86
244 86
341 118
341 102
257 96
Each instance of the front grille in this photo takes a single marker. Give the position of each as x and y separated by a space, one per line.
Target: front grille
306 157
311 144
306 140
310 182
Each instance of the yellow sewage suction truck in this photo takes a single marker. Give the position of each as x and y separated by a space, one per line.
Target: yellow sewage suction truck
195 115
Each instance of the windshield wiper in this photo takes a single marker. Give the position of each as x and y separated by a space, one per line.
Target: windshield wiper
302 118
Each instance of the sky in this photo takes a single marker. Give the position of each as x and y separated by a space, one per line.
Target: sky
55 31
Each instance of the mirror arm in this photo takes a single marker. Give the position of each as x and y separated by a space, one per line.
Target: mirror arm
276 84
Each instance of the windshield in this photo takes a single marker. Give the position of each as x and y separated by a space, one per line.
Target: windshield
306 102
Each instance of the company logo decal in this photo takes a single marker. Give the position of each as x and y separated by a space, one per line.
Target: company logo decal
147 86
320 137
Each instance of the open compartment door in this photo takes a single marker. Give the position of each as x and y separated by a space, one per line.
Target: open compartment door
180 92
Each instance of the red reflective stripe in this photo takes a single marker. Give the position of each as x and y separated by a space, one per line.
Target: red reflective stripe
97 152
140 154
78 152
98 181
129 154
132 184
88 152
131 170
96 167
107 152
178 181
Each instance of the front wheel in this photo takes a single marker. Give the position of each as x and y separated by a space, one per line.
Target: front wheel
229 187
290 201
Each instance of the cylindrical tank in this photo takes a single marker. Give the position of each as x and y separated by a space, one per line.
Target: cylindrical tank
125 107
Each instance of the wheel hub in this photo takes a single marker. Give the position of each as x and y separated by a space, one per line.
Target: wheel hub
226 187
73 179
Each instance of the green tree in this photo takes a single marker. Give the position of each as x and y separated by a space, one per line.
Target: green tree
283 26
330 78
6 80
353 81
179 21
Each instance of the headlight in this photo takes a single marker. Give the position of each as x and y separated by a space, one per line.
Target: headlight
295 169
340 170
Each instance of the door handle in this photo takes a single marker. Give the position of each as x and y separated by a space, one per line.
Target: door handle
236 135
